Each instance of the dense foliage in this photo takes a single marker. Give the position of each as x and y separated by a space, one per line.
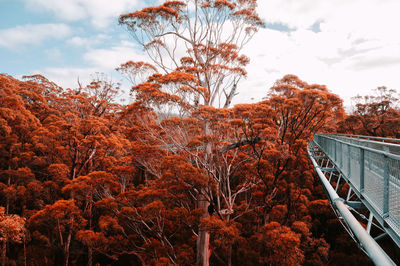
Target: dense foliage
85 180
177 176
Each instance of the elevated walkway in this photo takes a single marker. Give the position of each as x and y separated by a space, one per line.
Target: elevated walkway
371 168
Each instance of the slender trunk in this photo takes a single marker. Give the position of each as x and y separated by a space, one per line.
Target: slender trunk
203 239
90 249
4 246
230 255
3 253
66 250
25 250
230 96
90 256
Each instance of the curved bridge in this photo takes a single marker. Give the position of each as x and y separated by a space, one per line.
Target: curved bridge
370 210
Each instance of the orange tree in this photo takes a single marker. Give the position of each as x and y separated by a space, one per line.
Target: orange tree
279 203
374 115
195 48
251 169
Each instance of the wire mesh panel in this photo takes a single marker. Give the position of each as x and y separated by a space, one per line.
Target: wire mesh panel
373 168
394 193
373 176
345 159
354 175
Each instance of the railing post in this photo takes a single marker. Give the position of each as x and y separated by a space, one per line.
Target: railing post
335 151
348 162
386 187
362 170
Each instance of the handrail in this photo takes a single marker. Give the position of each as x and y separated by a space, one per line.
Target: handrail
367 137
385 153
372 170
374 251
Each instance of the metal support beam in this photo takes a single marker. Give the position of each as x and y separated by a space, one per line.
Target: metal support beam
370 219
357 205
374 251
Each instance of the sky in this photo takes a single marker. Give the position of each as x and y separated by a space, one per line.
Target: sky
351 46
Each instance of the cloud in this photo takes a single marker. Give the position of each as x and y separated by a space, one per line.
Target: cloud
100 12
88 41
353 50
110 58
97 61
20 36
67 77
79 41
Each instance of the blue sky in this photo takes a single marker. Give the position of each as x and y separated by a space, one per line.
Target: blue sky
351 46
45 37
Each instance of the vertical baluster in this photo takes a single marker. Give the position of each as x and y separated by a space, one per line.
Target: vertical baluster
386 187
334 157
348 161
362 170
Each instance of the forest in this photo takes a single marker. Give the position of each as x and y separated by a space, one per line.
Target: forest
177 175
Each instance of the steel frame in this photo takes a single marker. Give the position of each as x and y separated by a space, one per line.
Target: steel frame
347 209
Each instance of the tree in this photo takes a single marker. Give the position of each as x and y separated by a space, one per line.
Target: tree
212 34
86 191
206 72
56 224
12 228
374 115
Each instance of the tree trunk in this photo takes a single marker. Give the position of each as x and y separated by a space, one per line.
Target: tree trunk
203 239
230 255
25 250
3 253
4 246
66 250
229 97
90 256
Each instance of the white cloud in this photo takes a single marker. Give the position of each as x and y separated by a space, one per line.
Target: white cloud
100 12
87 41
79 41
97 61
356 50
20 36
110 58
67 77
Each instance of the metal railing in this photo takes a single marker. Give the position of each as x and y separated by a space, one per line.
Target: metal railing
371 167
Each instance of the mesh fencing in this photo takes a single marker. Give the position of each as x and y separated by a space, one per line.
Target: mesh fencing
394 193
371 168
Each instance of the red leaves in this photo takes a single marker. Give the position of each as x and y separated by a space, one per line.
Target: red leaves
374 115
177 171
303 109
91 238
174 77
168 10
282 244
224 233
251 16
12 227
220 4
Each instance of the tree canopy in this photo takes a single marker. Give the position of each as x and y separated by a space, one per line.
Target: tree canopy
177 176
